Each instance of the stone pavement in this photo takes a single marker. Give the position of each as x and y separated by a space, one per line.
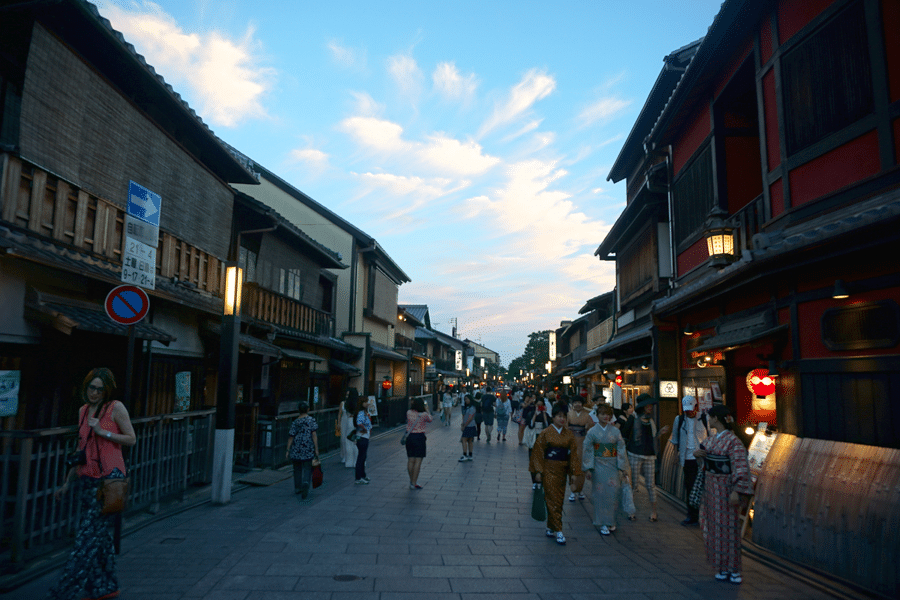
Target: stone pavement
467 534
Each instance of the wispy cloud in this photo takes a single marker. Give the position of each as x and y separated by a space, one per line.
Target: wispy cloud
450 84
438 152
226 77
348 58
405 72
602 111
534 86
314 160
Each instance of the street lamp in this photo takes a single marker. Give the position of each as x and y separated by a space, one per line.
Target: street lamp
223 447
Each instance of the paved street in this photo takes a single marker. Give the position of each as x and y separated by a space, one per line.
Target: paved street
467 534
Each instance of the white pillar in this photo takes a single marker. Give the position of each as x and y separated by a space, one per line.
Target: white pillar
223 458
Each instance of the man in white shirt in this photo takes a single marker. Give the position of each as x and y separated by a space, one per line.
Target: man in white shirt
688 432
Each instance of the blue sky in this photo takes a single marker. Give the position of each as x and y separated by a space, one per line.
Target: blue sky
471 139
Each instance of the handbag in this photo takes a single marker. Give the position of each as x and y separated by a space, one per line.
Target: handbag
353 436
113 495
696 496
337 428
538 505
317 475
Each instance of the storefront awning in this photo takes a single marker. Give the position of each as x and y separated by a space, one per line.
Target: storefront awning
728 341
300 355
66 317
257 346
587 372
342 367
626 338
381 352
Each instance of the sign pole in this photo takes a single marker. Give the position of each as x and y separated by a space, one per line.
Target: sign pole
129 368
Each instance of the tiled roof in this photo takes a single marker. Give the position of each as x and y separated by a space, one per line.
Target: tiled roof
93 318
417 310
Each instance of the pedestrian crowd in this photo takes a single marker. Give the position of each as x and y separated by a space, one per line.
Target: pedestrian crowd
570 441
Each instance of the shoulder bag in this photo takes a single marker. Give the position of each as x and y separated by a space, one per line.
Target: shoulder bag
406 433
112 491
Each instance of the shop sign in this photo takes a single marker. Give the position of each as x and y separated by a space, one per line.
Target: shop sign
668 389
9 392
183 391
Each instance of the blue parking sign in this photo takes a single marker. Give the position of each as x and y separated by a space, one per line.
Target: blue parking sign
144 204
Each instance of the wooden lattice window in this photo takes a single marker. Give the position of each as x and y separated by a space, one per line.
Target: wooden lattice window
693 196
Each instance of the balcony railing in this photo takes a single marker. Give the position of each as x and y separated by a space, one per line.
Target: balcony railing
266 305
747 222
401 341
600 334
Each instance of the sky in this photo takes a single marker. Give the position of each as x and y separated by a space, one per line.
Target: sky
472 139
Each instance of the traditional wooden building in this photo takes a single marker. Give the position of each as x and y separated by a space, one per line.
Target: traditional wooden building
81 116
779 154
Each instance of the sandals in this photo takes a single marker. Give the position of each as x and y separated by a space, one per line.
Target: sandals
653 519
632 518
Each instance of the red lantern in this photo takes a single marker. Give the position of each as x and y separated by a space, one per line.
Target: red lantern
760 382
386 385
619 380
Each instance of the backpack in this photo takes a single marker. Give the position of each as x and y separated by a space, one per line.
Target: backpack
501 409
487 403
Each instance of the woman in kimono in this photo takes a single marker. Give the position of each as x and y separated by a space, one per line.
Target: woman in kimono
727 489
606 463
579 421
553 458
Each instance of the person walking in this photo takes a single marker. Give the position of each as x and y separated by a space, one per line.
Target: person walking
578 421
552 460
688 433
519 415
417 419
479 417
605 463
363 425
346 414
302 448
504 408
641 441
447 406
537 421
726 492
468 428
103 428
488 402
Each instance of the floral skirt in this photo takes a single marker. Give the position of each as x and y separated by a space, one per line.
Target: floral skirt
91 569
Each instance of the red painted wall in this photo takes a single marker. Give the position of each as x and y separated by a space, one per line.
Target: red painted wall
810 314
689 142
841 167
776 198
740 54
693 257
743 176
891 22
770 114
794 14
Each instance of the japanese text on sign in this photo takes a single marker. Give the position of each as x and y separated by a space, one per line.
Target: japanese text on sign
139 264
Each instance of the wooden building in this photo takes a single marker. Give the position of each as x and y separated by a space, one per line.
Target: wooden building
81 116
774 165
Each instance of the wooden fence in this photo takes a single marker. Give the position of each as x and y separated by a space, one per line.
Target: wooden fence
173 452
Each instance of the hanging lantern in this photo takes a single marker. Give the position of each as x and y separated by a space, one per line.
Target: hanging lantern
386 384
760 383
719 238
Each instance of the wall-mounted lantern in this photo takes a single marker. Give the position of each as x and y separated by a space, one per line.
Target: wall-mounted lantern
719 238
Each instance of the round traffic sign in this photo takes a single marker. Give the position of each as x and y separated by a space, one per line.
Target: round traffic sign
127 304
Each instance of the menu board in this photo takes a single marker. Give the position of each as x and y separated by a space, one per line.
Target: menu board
759 449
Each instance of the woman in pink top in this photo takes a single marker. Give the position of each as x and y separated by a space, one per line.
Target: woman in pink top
417 420
103 428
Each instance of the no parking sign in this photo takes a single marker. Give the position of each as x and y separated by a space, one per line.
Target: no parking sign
127 304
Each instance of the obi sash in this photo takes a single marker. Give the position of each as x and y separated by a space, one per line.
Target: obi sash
606 450
578 430
556 453
717 464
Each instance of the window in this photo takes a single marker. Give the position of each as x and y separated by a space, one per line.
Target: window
862 326
247 262
289 283
827 80
693 196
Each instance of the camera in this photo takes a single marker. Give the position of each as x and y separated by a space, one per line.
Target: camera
76 458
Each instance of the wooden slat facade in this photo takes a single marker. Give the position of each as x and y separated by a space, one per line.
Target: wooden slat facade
835 506
265 305
38 201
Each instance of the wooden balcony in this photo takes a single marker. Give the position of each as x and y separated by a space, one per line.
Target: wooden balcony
600 334
401 341
271 307
747 222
